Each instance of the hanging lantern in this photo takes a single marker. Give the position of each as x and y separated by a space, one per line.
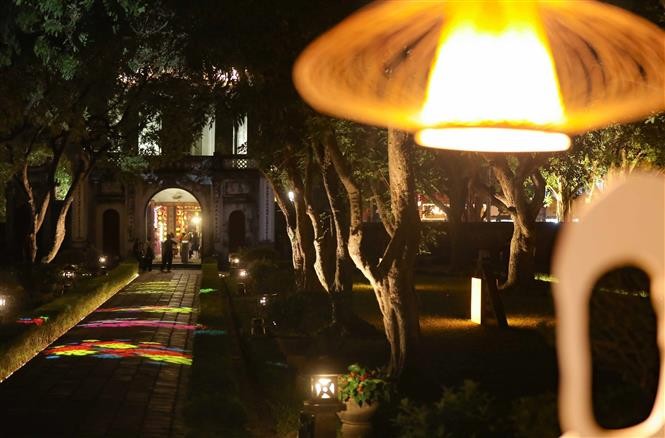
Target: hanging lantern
487 75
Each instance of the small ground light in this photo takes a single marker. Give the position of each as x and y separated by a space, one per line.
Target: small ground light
3 301
242 273
68 274
102 260
263 300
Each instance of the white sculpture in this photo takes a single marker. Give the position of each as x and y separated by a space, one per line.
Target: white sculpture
626 226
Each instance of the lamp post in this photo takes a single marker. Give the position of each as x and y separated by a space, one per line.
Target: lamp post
322 402
68 275
103 263
4 306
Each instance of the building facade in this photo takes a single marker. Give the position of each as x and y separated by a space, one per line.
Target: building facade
215 193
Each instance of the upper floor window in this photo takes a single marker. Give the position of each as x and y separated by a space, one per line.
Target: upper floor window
240 138
205 144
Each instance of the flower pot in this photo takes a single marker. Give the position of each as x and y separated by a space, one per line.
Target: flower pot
357 420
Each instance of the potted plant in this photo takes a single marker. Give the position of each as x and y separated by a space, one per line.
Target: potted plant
361 390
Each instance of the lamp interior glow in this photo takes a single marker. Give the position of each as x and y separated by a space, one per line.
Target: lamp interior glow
324 388
493 67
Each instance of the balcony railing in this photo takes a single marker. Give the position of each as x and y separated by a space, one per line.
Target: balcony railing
206 163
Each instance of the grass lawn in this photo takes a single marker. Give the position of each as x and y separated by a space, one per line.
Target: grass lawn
457 349
514 368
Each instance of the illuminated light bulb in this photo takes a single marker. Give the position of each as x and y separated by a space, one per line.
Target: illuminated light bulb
493 67
492 139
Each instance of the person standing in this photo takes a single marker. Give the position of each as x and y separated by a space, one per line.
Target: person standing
195 244
184 248
149 256
167 253
139 251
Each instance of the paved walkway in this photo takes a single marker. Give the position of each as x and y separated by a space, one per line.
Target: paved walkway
120 372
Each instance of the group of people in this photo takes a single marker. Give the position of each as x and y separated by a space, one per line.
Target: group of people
145 254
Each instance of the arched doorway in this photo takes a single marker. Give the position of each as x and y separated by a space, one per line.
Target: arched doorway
175 212
111 232
236 230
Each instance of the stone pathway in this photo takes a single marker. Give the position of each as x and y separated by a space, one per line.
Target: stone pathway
120 372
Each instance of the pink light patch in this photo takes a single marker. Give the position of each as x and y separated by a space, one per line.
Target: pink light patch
132 322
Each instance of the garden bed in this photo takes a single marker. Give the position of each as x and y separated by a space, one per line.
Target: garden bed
45 324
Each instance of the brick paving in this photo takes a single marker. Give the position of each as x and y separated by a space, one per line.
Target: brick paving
117 394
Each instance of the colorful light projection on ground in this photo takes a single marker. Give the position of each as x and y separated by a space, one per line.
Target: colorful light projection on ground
134 322
199 329
40 320
207 290
211 332
119 349
147 292
150 309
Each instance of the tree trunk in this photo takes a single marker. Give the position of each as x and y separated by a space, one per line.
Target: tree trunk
333 264
301 257
457 197
521 266
37 214
523 211
391 277
61 222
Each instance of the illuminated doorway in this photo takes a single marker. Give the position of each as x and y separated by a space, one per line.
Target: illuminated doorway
175 212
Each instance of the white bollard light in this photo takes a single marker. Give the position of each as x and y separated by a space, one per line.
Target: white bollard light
476 300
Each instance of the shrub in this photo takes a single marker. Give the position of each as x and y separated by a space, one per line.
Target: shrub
263 252
303 312
265 276
535 416
461 412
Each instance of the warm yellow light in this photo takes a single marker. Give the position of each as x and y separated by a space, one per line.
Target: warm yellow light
493 67
550 68
324 388
196 220
493 139
476 300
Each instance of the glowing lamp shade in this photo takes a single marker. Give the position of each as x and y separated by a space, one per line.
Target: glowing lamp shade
242 273
324 387
3 302
476 300
487 75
